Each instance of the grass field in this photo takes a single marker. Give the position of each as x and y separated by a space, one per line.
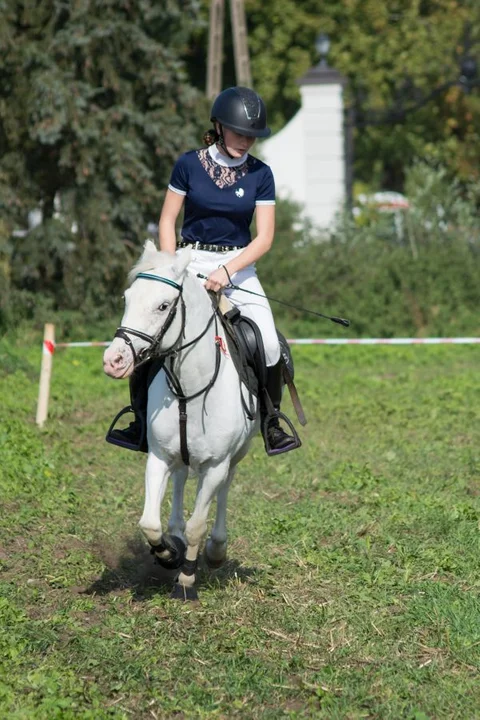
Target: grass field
352 586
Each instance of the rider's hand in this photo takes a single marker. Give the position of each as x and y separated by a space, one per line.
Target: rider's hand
217 280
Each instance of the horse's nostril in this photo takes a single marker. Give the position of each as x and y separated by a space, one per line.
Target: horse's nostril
113 362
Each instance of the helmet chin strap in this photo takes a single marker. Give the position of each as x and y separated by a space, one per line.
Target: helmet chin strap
221 142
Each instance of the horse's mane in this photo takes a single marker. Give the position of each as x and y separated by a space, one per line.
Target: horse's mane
150 260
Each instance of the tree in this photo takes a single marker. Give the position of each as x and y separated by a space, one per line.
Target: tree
392 52
95 106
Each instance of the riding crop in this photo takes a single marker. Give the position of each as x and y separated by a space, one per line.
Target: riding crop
340 321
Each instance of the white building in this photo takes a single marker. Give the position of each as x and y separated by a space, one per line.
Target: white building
308 156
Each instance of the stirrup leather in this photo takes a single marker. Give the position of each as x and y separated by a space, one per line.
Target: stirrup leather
296 442
120 441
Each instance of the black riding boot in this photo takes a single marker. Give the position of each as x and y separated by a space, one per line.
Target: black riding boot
134 437
275 438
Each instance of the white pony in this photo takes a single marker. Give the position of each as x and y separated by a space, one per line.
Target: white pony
169 313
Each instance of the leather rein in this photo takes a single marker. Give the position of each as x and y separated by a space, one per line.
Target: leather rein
154 341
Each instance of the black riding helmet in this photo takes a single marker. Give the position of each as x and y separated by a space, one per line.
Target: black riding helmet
241 110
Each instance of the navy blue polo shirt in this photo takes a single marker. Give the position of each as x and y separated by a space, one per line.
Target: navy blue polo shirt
220 195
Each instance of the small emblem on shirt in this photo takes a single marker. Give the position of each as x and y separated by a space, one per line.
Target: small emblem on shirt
240 192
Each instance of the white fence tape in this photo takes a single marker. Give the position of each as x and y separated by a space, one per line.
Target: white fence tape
386 341
84 344
315 341
49 346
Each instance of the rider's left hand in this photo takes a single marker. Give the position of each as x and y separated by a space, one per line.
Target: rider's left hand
217 280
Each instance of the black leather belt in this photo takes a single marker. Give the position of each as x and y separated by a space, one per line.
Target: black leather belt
209 248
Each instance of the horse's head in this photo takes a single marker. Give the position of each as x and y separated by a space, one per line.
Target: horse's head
153 314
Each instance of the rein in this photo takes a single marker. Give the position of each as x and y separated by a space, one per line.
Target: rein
124 333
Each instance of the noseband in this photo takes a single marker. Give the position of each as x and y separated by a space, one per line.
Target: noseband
154 341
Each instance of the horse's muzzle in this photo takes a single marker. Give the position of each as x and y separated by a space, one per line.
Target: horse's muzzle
118 360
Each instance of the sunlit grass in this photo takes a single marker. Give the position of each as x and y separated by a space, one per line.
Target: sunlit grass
352 585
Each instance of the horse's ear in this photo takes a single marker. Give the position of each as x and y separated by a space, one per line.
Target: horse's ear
181 262
149 247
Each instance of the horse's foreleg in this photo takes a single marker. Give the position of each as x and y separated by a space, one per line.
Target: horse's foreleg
176 523
196 528
156 478
170 551
216 545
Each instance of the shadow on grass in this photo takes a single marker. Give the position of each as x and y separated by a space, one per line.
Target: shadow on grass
132 567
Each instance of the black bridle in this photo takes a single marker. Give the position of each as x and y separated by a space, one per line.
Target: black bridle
154 341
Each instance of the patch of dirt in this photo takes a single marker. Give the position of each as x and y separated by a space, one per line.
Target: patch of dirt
473 488
3 554
16 544
128 565
343 498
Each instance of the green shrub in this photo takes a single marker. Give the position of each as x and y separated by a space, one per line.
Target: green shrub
413 274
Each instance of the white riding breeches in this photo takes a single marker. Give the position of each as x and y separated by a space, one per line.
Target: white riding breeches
251 306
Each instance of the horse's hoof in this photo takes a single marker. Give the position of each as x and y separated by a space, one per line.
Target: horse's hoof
184 593
170 554
212 561
214 564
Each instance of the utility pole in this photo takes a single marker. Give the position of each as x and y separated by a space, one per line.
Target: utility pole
240 46
215 45
215 48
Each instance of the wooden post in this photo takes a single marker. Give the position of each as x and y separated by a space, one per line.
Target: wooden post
240 43
45 373
215 48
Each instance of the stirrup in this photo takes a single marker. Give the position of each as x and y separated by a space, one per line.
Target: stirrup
115 439
296 442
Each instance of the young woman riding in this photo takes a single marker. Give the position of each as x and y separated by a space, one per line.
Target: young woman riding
220 187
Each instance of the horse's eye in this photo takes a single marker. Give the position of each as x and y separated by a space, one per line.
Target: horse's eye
163 306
